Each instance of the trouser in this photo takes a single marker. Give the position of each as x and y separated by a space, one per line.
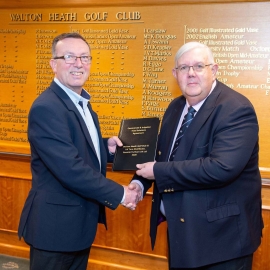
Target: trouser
50 260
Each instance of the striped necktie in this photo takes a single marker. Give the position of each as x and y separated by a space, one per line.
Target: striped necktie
186 122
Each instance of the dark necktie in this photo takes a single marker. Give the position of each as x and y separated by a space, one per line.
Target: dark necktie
186 122
81 104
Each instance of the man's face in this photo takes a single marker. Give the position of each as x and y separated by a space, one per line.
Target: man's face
74 75
195 86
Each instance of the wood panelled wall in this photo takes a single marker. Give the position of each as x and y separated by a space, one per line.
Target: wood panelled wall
104 3
126 243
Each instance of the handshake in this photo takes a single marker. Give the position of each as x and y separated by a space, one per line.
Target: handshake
133 194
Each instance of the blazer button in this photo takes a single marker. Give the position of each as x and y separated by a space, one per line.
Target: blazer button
165 190
159 153
153 200
182 220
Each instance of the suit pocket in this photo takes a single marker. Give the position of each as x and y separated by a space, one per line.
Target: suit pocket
223 211
61 199
203 150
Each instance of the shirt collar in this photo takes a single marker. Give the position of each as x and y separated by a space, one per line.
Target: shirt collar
199 105
84 97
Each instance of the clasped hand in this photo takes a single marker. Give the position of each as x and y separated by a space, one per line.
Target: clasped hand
146 170
133 194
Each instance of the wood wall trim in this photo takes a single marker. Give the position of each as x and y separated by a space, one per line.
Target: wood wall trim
13 247
13 155
265 172
130 252
97 3
266 183
25 158
9 231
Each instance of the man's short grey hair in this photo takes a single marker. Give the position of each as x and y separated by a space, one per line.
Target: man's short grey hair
193 45
64 36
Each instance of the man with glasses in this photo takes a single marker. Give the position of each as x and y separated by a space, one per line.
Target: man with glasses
207 184
68 162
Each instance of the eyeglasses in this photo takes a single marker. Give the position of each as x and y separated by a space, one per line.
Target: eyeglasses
196 68
71 59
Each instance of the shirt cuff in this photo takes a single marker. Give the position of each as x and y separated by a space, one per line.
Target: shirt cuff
140 184
124 196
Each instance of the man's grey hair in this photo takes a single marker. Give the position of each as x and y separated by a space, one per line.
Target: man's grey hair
64 36
193 45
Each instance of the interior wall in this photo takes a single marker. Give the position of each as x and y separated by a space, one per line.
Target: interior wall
126 244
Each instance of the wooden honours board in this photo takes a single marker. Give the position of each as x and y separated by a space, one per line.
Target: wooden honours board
133 52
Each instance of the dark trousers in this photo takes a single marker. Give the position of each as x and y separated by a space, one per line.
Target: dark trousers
242 263
50 260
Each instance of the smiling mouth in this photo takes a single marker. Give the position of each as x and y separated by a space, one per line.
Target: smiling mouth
76 73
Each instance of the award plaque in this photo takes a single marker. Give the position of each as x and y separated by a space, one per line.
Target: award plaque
139 138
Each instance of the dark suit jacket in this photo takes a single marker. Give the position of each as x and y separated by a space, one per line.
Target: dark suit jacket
68 192
212 189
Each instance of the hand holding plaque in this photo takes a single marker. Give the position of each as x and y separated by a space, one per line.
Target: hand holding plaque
139 138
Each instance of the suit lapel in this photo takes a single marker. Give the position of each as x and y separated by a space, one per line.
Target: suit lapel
71 107
173 121
197 123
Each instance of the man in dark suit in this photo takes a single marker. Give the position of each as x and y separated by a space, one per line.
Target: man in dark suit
206 178
68 162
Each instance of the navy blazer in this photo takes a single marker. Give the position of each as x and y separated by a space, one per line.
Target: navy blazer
212 190
69 188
